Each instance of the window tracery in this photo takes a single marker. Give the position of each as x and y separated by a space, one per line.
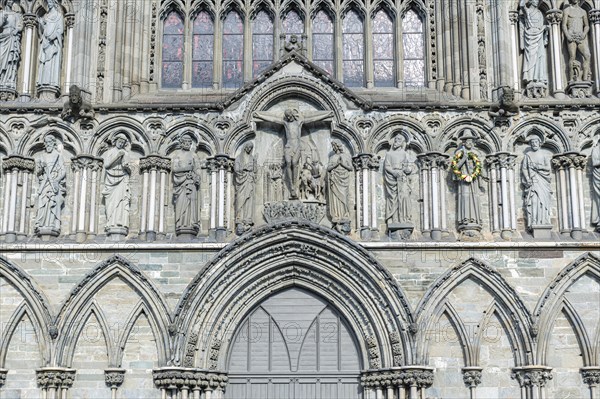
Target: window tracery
262 42
414 50
292 25
353 49
202 50
322 41
233 50
172 51
383 49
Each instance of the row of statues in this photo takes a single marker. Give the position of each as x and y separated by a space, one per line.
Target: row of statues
534 38
51 33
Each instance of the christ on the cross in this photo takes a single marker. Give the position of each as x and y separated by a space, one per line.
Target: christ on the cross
292 122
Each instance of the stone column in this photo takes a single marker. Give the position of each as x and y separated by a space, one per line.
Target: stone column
569 173
501 168
69 24
594 16
590 375
18 176
55 381
86 175
114 379
29 60
220 169
433 166
154 170
513 16
554 18
190 383
366 167
472 378
532 380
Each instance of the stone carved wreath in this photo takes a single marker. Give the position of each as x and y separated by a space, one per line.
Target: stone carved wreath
466 177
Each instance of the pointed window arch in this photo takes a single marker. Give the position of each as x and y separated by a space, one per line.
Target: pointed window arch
202 50
172 51
383 50
233 50
413 43
353 49
262 42
292 25
322 41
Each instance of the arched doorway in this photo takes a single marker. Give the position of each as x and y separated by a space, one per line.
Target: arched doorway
294 345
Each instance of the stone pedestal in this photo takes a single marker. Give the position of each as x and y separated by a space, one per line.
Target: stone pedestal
8 94
470 231
400 231
116 233
543 232
579 89
47 92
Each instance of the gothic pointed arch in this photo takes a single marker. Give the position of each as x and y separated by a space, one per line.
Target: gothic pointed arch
305 256
488 139
35 305
511 309
381 133
71 140
556 138
139 135
73 310
207 139
554 302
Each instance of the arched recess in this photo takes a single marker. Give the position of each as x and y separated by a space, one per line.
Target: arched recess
76 308
34 143
35 306
556 139
488 141
554 302
286 255
382 134
141 140
506 305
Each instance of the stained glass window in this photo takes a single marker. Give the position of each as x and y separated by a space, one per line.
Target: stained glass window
322 41
233 50
353 49
202 50
293 25
383 49
414 50
262 42
172 51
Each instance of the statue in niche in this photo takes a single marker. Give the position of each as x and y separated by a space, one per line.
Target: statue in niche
293 121
311 180
245 169
596 183
116 193
51 33
397 179
293 44
51 173
186 185
466 167
575 27
533 42
11 26
536 177
338 187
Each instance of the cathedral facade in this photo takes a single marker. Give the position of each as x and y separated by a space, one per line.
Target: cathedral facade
226 199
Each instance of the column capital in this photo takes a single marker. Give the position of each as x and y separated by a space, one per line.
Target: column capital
366 161
86 162
114 377
70 20
220 162
591 376
419 376
472 376
554 16
3 373
513 17
594 16
529 376
17 162
433 160
155 162
569 160
30 21
55 377
189 378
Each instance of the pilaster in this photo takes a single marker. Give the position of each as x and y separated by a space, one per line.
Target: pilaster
154 170
30 22
532 380
472 379
501 168
114 378
220 169
55 381
433 166
190 383
591 377
569 173
554 18
366 167
3 373
407 382
86 171
18 172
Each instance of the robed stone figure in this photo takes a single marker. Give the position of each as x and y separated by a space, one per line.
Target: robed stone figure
468 212
51 175
292 122
245 169
51 33
116 193
186 186
397 171
11 26
596 184
533 42
536 173
339 169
